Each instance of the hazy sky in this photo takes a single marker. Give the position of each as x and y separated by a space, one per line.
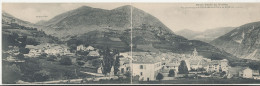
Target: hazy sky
176 16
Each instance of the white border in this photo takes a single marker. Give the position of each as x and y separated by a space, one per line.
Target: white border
127 1
115 1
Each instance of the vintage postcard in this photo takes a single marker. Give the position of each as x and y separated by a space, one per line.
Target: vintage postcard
130 43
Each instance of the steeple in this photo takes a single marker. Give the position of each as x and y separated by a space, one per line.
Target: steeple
195 53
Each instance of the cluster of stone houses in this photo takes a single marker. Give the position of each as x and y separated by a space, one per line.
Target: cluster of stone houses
147 65
92 51
50 49
83 48
13 51
194 62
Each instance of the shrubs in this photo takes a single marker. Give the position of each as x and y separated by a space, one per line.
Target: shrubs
171 73
127 74
183 69
43 55
20 56
66 61
24 50
96 62
80 63
159 77
41 75
51 58
84 53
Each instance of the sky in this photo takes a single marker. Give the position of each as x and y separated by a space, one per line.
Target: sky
176 16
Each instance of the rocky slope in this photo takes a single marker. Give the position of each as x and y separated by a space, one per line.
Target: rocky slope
243 42
14 28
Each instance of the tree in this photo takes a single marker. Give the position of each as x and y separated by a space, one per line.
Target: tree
66 61
85 53
127 74
43 55
115 52
24 50
96 62
171 73
91 57
20 56
74 41
223 73
73 47
201 69
159 77
31 41
41 75
183 69
80 63
117 65
107 60
51 58
22 41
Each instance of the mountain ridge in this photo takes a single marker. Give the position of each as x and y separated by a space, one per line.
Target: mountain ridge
207 35
99 26
241 41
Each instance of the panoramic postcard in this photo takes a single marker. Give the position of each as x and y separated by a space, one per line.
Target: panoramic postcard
130 43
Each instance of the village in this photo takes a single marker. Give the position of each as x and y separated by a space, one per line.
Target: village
146 66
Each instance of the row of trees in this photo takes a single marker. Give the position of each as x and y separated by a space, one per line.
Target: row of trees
109 60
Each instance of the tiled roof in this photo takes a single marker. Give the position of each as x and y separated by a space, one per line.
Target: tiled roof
145 59
172 64
93 53
124 59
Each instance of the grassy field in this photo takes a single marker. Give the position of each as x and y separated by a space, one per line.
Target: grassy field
57 71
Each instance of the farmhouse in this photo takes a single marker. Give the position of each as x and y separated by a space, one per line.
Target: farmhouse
83 48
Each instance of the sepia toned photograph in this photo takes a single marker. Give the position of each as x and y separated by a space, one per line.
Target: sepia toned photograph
130 43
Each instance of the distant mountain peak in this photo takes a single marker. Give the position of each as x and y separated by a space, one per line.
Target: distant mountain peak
8 18
85 7
124 7
185 30
207 35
